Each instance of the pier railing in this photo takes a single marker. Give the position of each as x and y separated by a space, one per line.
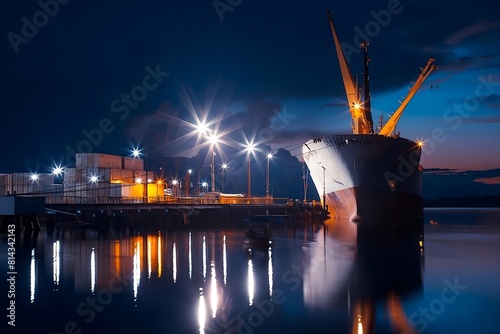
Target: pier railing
169 200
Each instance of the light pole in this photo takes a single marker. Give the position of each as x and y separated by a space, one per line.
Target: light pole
212 171
324 187
159 190
204 185
269 156
199 176
224 167
213 142
174 184
188 182
250 148
213 139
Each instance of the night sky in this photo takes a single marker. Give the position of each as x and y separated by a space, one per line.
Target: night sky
143 71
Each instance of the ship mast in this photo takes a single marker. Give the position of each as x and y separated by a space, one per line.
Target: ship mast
367 100
361 124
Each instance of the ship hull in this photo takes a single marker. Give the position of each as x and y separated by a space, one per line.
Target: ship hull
366 177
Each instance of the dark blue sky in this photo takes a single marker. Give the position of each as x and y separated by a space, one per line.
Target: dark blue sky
139 70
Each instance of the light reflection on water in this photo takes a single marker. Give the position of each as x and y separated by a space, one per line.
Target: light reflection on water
204 259
32 276
224 260
92 271
202 312
56 263
213 290
137 268
250 282
270 270
310 278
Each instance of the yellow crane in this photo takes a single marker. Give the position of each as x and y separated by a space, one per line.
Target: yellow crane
362 122
389 127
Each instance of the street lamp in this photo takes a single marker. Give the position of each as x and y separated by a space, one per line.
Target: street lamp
57 170
224 167
250 147
269 156
174 184
136 152
34 177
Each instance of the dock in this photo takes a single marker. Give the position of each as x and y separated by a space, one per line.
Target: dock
185 212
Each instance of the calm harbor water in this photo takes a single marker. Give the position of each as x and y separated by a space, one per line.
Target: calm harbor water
310 278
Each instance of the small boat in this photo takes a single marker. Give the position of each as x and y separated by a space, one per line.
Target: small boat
257 234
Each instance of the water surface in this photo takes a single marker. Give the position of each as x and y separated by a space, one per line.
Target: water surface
306 277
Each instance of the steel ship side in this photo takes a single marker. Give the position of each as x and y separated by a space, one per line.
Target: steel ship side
366 176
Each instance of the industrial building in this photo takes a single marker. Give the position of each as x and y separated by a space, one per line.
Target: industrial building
96 178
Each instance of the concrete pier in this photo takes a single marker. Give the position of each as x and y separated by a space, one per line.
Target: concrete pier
184 214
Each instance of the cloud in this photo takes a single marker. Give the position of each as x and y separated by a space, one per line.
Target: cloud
483 119
440 171
488 180
452 182
470 31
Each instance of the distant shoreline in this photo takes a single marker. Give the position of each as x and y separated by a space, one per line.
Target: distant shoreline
464 202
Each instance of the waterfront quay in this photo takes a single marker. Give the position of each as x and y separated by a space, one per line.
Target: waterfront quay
104 188
101 212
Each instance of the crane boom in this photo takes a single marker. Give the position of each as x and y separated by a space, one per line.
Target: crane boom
360 125
389 127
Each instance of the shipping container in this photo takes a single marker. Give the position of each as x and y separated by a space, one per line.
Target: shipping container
121 176
106 175
69 175
54 193
5 184
144 176
98 160
133 190
110 184
24 184
154 191
133 163
115 191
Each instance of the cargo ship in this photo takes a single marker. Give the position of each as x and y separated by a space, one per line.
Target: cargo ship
364 174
